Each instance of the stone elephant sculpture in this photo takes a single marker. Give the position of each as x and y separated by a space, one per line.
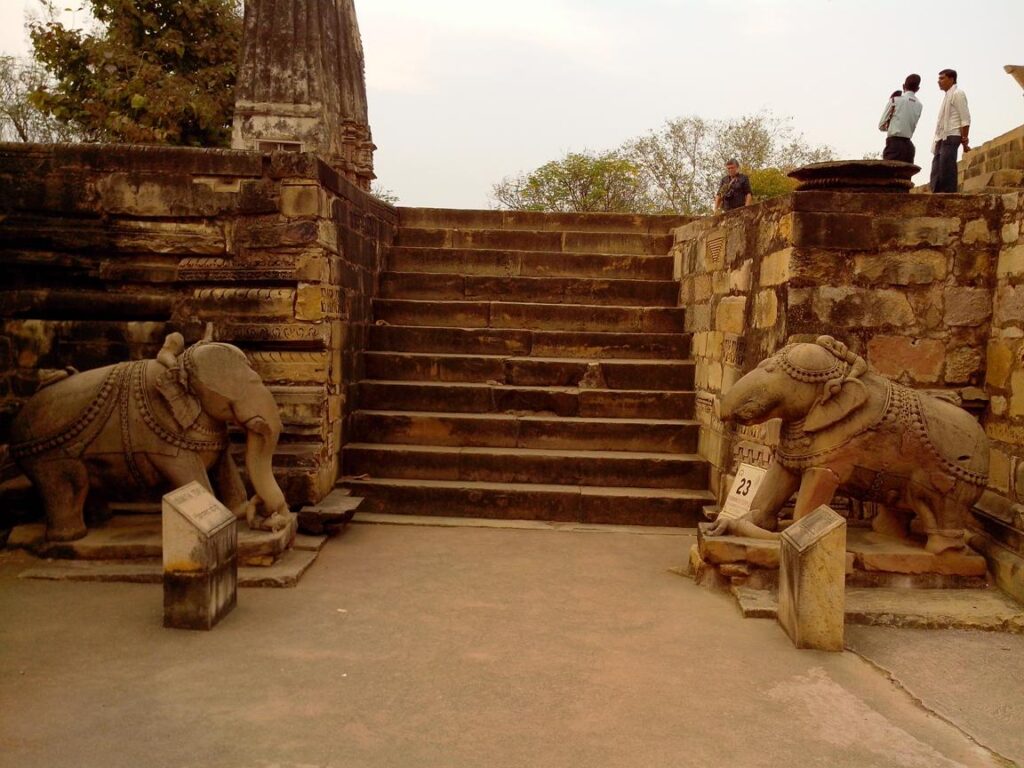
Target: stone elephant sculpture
148 424
845 428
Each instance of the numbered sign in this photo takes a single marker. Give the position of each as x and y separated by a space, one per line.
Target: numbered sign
744 488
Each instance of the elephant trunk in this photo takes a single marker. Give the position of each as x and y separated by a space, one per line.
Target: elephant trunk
257 412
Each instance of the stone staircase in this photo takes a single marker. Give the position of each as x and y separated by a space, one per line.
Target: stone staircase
528 366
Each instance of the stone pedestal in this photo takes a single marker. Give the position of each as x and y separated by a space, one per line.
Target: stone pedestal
812 580
200 554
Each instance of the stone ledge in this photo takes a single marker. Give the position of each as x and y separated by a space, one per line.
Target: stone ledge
285 573
985 610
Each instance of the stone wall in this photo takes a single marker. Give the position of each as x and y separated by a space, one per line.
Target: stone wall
996 163
106 249
1000 513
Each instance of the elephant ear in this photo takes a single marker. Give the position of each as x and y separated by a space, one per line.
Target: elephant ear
184 405
829 410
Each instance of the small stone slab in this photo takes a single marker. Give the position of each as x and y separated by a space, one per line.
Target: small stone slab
307 543
978 609
336 509
812 580
200 559
286 572
722 550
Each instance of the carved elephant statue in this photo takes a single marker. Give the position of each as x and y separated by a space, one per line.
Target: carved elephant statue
150 424
845 428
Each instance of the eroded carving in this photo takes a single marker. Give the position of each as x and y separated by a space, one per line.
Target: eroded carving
102 434
847 429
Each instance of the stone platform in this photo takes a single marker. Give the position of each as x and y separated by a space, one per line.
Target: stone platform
134 537
873 560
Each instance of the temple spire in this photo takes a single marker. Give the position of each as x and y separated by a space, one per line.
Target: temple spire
302 86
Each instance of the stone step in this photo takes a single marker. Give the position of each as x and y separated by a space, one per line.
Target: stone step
438 218
529 431
513 263
516 315
666 375
529 343
463 397
525 465
562 241
557 290
526 501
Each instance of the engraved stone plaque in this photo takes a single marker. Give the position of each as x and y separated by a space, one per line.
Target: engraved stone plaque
200 554
744 488
812 580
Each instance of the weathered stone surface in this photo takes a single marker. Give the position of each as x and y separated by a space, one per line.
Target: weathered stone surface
855 307
967 306
876 552
730 315
912 268
895 355
1009 304
999 363
812 580
776 267
200 558
303 84
962 365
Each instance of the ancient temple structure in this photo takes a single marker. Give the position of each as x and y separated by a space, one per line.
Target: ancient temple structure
301 84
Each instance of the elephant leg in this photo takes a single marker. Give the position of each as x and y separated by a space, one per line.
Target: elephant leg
63 486
185 468
778 485
817 486
230 488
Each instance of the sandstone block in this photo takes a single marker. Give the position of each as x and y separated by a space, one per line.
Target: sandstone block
812 580
976 231
1011 232
895 355
730 314
776 267
914 268
766 309
967 306
998 405
846 231
1011 262
961 365
300 200
739 279
999 471
1017 393
851 307
1009 304
918 231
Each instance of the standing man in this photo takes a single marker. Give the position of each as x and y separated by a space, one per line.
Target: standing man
899 120
734 189
952 129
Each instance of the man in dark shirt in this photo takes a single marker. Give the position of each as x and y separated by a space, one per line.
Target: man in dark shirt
734 190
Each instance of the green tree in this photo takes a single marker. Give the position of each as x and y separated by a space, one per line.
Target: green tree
20 119
579 182
149 71
683 161
770 182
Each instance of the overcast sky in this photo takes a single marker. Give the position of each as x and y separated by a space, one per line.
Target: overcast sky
465 92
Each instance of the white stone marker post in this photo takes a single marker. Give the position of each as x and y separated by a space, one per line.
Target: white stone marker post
812 580
200 549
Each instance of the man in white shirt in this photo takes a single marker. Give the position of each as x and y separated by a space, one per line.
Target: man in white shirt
950 133
899 120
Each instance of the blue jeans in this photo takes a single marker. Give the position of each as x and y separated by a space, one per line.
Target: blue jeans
944 165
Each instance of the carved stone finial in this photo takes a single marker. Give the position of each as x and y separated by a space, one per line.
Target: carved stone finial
856 176
301 84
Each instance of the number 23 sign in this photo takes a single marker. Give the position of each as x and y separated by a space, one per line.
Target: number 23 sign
744 488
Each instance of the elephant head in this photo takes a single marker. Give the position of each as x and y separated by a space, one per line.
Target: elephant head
216 379
818 383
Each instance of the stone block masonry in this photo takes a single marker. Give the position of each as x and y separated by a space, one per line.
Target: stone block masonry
930 289
107 248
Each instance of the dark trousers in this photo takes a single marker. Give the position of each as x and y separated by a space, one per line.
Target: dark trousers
944 165
899 148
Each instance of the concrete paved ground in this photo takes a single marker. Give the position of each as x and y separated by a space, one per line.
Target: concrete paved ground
427 646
